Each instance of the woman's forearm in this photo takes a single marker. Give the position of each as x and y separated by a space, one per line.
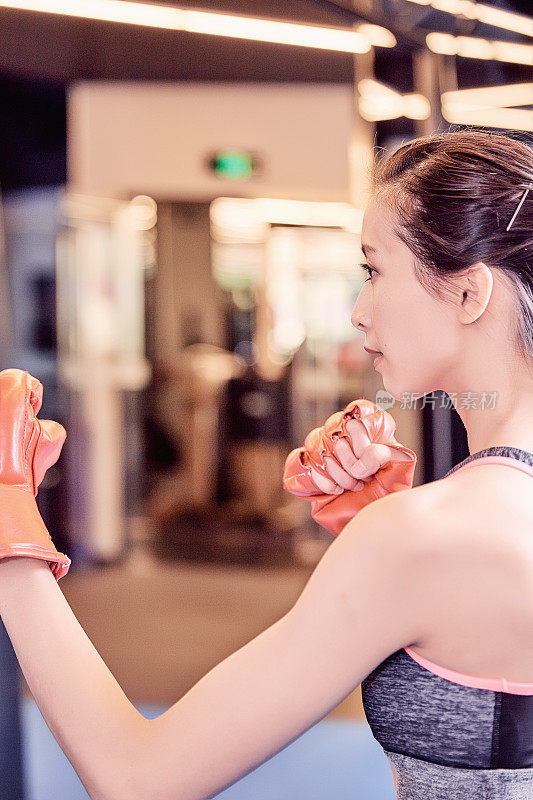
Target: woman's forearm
96 726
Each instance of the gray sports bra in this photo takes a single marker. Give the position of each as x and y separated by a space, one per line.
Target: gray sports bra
451 736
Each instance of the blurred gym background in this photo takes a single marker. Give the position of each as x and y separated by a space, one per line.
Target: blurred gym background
180 231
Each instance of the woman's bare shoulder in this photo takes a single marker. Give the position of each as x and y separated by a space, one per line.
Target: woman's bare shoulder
487 508
416 512
433 518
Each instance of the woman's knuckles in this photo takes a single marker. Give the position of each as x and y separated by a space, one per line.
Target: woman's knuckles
325 484
374 457
345 454
338 474
359 438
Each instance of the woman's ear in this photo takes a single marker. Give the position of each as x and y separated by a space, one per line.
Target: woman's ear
474 291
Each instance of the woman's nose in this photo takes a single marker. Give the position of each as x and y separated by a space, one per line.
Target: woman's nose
360 317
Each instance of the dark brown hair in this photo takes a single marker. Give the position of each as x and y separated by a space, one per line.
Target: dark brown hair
454 194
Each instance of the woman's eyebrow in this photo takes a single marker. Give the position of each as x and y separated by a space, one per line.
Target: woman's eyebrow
366 248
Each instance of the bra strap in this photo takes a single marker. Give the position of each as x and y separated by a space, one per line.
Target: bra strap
511 462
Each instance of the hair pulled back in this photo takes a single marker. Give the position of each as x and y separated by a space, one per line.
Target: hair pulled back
454 195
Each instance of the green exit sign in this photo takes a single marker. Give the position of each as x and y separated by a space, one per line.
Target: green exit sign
234 164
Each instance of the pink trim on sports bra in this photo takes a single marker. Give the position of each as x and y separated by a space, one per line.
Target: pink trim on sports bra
494 684
511 462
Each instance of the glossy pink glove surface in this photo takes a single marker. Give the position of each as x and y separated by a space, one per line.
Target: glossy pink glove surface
334 511
28 446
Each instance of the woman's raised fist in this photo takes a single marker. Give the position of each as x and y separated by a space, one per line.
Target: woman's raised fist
348 462
28 446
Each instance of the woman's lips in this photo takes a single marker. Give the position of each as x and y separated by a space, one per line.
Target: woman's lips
373 352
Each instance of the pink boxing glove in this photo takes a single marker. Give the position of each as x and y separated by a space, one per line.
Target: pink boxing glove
334 511
28 446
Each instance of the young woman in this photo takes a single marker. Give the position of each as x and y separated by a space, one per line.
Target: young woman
426 597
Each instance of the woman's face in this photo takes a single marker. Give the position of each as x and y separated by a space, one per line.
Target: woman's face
415 332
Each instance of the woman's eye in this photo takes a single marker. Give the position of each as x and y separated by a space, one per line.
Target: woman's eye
368 270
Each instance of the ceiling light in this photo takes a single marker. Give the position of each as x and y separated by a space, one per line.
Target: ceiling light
474 47
376 35
214 23
504 118
490 106
378 102
495 17
510 94
225 211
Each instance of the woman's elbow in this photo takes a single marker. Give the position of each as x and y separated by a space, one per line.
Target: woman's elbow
132 778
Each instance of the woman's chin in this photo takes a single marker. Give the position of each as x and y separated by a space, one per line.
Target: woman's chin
402 394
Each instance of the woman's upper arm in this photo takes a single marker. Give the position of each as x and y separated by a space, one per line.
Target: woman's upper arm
360 604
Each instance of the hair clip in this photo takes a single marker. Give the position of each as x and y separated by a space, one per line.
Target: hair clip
519 206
